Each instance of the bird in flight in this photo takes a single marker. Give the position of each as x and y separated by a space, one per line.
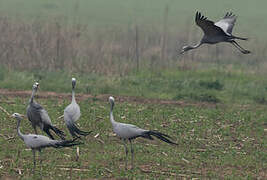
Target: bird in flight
220 31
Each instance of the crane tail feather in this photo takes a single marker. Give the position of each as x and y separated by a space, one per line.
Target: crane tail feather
74 130
67 143
158 135
60 133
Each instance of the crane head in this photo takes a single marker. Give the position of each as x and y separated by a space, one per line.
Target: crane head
17 115
73 80
111 99
185 48
35 86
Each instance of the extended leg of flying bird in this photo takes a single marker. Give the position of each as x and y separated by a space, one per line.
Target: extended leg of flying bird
132 152
244 51
126 152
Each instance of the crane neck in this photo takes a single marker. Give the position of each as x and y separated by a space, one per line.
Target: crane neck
18 128
113 122
197 45
32 96
73 100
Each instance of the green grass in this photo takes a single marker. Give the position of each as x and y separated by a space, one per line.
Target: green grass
222 136
205 85
213 142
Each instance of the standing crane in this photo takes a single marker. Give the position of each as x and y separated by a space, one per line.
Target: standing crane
220 31
130 132
38 116
39 142
72 114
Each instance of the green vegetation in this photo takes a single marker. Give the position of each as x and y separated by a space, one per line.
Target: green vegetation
221 135
206 85
214 142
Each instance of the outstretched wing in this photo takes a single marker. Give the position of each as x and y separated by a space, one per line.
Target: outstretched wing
227 23
207 26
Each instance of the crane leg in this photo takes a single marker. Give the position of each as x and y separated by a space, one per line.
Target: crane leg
244 51
35 130
34 161
41 162
126 151
132 152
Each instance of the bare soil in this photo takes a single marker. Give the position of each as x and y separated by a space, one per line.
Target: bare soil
102 97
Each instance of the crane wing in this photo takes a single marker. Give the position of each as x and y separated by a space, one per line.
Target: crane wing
207 26
72 112
37 114
227 23
37 141
45 117
128 131
33 113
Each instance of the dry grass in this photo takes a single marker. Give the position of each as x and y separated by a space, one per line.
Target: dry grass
51 45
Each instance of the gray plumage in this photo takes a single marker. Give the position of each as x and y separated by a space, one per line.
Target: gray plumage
72 114
220 31
38 116
38 142
130 132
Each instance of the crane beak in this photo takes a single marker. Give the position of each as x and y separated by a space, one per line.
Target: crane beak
22 115
182 52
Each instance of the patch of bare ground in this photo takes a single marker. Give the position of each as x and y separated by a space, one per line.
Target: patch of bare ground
8 178
103 97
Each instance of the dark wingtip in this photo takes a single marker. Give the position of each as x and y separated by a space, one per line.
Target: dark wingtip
198 16
75 131
229 14
162 137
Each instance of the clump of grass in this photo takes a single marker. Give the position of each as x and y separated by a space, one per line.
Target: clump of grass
201 97
3 72
260 99
217 85
206 97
